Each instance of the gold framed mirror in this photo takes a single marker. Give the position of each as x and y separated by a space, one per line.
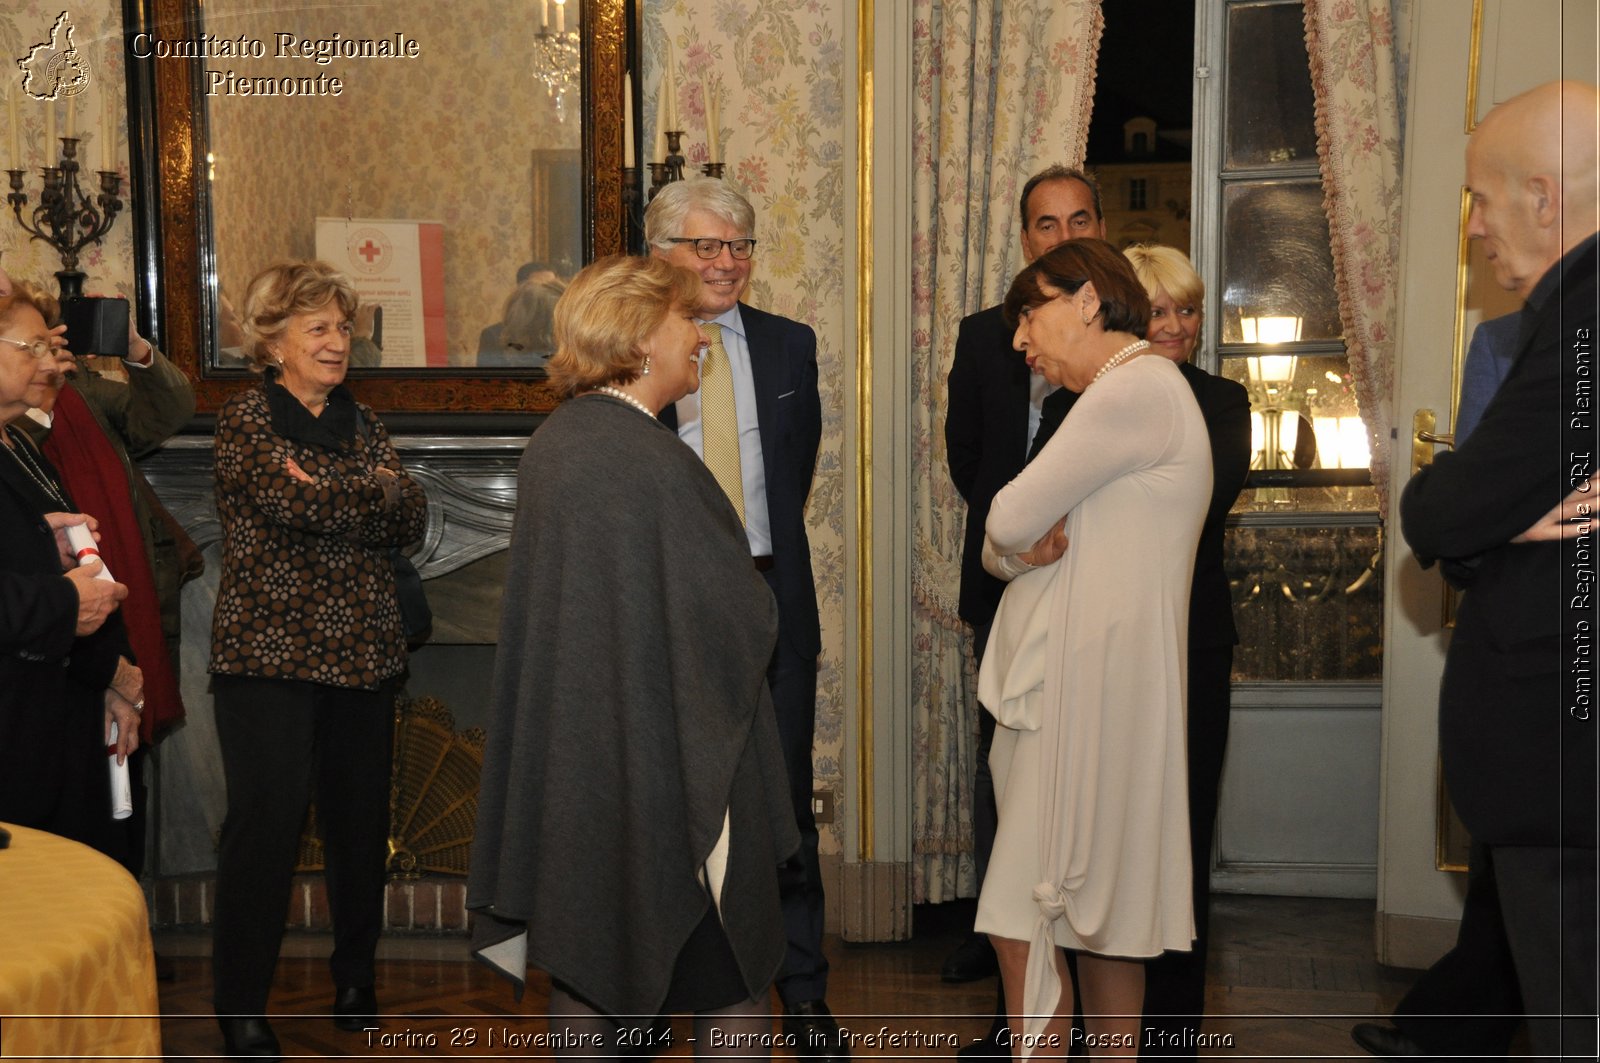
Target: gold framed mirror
311 129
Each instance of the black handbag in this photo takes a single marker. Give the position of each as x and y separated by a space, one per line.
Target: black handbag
416 615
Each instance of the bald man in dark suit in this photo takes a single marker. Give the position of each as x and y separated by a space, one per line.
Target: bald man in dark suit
1510 516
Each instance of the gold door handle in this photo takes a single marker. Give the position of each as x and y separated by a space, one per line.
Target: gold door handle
1424 439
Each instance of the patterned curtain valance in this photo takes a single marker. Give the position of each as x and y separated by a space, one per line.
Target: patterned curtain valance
1351 43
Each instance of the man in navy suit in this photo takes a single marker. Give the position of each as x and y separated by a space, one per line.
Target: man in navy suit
1510 514
704 225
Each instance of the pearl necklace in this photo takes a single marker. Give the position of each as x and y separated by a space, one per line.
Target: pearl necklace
618 393
1121 356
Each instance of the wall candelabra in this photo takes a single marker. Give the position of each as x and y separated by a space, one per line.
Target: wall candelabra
664 173
66 217
661 175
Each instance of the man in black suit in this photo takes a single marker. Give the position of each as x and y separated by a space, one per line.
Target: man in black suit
1467 1003
771 416
1510 515
992 416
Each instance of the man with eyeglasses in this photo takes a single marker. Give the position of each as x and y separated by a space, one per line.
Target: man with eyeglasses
757 423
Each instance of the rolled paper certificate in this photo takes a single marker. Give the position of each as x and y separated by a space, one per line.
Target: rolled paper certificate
85 550
121 788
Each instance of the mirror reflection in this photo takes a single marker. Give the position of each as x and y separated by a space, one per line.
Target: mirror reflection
444 176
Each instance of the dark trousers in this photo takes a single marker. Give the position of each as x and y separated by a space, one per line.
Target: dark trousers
1175 982
1547 896
278 739
985 815
1467 1004
793 682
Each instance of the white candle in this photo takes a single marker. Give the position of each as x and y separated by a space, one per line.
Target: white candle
72 116
15 157
662 121
627 120
108 120
712 121
50 132
107 148
670 87
561 17
544 14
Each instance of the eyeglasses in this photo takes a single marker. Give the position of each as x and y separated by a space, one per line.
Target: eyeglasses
708 247
39 348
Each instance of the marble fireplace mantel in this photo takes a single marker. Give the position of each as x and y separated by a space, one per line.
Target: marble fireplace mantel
471 487
471 483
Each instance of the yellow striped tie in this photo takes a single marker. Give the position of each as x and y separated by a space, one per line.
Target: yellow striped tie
719 421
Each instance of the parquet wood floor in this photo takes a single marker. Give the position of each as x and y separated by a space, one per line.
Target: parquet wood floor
1288 977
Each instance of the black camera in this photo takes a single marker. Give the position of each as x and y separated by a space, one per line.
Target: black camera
96 325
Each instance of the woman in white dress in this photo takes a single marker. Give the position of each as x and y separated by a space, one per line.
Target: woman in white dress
1086 666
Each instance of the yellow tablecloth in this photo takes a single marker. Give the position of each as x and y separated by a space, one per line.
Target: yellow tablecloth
77 974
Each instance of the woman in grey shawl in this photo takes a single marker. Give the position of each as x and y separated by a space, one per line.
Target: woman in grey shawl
633 810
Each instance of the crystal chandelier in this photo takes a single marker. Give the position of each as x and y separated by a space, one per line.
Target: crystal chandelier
555 56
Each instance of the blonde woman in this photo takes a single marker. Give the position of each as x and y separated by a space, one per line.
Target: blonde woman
633 811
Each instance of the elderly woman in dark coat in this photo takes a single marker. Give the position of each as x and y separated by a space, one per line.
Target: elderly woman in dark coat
634 807
306 645
65 676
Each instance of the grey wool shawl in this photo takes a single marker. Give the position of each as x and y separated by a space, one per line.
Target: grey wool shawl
629 712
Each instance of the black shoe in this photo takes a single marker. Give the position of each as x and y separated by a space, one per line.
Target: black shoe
996 1044
355 1009
248 1036
1385 1042
984 1049
813 1033
972 959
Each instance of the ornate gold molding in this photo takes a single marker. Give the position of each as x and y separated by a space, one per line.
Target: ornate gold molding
1458 328
865 798
185 270
1474 54
1450 839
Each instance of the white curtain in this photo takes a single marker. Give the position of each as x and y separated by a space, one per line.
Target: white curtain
1352 48
1003 89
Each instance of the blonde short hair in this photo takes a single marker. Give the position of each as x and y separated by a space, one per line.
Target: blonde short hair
607 314
283 290
1166 269
28 294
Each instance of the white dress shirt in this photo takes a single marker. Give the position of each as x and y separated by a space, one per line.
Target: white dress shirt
1039 389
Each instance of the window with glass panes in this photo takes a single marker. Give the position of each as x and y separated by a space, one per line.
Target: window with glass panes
1305 545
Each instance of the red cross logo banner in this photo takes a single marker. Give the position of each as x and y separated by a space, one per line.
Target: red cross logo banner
396 264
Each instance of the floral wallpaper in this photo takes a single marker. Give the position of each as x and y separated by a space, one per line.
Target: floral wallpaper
422 139
776 70
97 36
